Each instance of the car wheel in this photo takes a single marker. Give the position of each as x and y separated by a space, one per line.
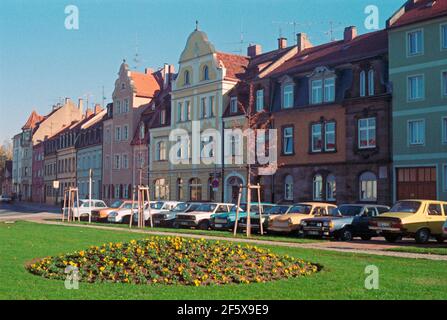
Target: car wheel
346 235
204 225
392 238
422 236
366 238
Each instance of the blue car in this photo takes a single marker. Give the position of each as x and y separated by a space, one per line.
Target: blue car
226 221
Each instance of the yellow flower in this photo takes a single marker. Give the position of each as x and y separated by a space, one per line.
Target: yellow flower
82 253
197 282
102 268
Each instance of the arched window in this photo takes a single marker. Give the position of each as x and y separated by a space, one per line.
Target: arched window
288 188
195 189
179 189
186 78
160 152
368 186
371 82
362 84
206 73
318 187
331 188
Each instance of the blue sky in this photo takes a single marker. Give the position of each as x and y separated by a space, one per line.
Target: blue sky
42 62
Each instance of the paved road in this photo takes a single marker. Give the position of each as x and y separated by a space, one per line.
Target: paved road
25 211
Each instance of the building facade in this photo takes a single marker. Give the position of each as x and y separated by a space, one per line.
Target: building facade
418 71
133 92
7 186
330 107
38 185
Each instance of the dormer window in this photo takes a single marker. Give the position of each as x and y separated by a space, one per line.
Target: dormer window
287 100
233 105
323 90
186 79
206 73
371 82
362 84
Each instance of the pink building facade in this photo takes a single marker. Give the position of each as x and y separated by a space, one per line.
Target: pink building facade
38 174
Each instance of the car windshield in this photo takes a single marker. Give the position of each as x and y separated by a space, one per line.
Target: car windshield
128 205
277 210
406 206
350 211
301 208
157 205
181 207
116 204
207 207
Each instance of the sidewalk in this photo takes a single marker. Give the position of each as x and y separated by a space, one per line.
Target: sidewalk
38 207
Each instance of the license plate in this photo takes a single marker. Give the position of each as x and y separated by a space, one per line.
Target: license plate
220 221
218 225
383 224
282 224
313 233
184 223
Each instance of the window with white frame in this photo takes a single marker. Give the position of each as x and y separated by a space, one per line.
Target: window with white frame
316 91
329 136
331 188
317 138
125 132
117 190
416 132
117 107
207 141
329 89
444 130
203 111
125 161
116 161
259 99
233 104
371 90
126 105
160 151
368 186
205 73
362 84
415 45
288 140
288 188
367 133
444 36
186 80
125 191
179 111
318 187
287 99
187 111
416 87
117 133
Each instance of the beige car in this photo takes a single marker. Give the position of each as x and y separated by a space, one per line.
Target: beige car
291 221
419 219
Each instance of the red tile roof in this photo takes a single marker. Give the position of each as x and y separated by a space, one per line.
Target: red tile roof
234 64
420 11
33 120
146 85
334 53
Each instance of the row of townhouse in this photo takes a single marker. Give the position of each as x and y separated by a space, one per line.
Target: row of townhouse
361 119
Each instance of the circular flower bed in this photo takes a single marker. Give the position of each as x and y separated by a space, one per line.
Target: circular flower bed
174 260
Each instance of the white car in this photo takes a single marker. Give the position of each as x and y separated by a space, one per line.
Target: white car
85 208
156 208
122 215
5 199
201 217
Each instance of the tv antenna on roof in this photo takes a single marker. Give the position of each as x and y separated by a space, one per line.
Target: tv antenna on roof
294 24
333 26
241 41
137 59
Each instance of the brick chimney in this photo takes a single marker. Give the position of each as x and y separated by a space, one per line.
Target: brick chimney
302 41
67 100
98 108
254 50
350 33
80 104
282 43
148 70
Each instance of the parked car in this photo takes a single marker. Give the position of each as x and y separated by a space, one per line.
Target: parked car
122 215
291 221
5 199
268 214
102 214
85 206
200 218
157 207
444 227
226 221
349 221
167 218
418 219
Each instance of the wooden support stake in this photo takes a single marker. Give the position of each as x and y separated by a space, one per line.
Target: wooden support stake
65 204
261 228
237 209
133 205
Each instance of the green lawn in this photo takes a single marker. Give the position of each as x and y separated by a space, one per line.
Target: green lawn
423 250
342 277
